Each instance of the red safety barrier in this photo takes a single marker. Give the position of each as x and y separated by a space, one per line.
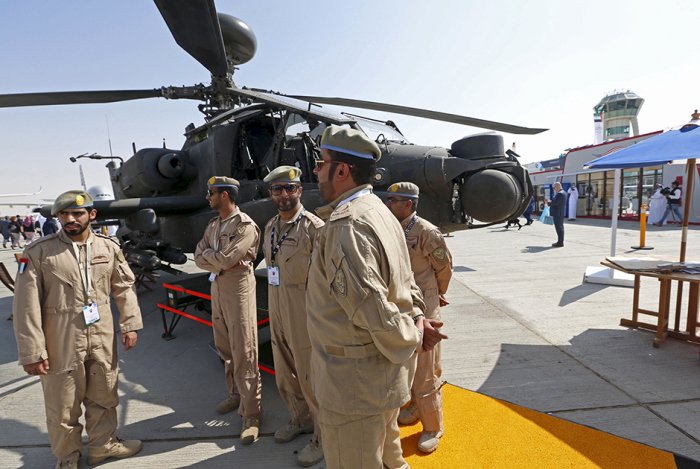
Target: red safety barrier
181 313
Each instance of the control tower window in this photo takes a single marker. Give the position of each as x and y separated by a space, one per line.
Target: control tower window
622 129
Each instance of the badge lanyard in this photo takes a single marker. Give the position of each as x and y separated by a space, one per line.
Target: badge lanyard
86 270
274 248
410 225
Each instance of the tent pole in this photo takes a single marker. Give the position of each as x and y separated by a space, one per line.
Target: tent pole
689 180
615 209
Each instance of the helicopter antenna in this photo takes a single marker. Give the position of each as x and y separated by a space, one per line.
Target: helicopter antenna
109 137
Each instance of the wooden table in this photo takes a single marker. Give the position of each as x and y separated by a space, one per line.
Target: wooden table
662 314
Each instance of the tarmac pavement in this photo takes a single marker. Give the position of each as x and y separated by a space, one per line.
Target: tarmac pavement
522 326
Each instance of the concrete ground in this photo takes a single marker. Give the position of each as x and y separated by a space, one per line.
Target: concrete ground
522 325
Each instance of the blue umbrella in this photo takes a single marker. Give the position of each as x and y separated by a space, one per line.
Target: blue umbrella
680 144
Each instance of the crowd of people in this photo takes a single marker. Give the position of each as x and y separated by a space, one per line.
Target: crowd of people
17 231
354 294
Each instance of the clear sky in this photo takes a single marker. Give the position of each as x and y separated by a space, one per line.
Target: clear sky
538 63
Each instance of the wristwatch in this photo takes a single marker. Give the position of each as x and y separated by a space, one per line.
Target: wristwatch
416 317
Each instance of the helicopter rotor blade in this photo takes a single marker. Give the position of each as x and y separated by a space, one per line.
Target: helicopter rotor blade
75 97
195 27
425 113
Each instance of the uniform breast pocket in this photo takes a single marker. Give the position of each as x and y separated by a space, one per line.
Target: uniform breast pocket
60 284
100 267
296 263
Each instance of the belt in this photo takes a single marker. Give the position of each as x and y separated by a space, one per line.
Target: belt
352 351
241 266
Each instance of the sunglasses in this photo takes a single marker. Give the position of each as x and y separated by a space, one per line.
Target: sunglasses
211 192
392 200
289 188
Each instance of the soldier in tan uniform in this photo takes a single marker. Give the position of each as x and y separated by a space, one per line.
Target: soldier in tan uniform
431 263
65 333
288 243
228 250
366 319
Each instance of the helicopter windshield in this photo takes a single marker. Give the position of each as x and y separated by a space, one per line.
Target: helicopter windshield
380 131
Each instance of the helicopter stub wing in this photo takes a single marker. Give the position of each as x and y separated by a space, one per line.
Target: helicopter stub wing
195 27
424 113
75 97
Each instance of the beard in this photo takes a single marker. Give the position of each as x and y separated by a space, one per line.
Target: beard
288 205
75 228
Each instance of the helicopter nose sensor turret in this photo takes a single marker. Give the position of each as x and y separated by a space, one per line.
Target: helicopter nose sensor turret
499 191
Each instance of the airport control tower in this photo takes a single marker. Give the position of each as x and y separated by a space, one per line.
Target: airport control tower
615 114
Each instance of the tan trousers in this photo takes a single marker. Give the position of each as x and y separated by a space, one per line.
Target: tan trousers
234 318
92 385
291 351
361 441
425 391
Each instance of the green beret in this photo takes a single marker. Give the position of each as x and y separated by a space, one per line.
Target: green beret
222 181
71 200
351 141
403 189
284 174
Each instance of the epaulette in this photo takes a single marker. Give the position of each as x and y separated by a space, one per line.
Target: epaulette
342 212
103 236
316 221
212 220
43 239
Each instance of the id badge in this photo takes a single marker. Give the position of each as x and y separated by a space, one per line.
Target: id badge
273 275
90 314
212 277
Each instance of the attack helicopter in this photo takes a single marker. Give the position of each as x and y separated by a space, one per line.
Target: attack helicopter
247 132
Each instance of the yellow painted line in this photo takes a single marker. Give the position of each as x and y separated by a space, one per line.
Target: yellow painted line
483 432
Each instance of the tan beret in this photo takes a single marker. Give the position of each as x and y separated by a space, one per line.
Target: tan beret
403 189
351 141
71 200
222 181
284 174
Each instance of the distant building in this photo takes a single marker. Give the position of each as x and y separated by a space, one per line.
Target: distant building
596 187
615 116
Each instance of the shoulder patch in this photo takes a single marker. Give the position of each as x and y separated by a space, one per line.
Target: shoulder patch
439 253
241 228
339 283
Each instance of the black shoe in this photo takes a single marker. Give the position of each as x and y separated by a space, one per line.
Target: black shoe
557 245
529 222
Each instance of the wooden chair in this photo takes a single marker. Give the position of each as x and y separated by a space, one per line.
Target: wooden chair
7 280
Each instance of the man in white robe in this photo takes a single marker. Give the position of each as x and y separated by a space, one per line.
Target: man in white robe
573 200
657 205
